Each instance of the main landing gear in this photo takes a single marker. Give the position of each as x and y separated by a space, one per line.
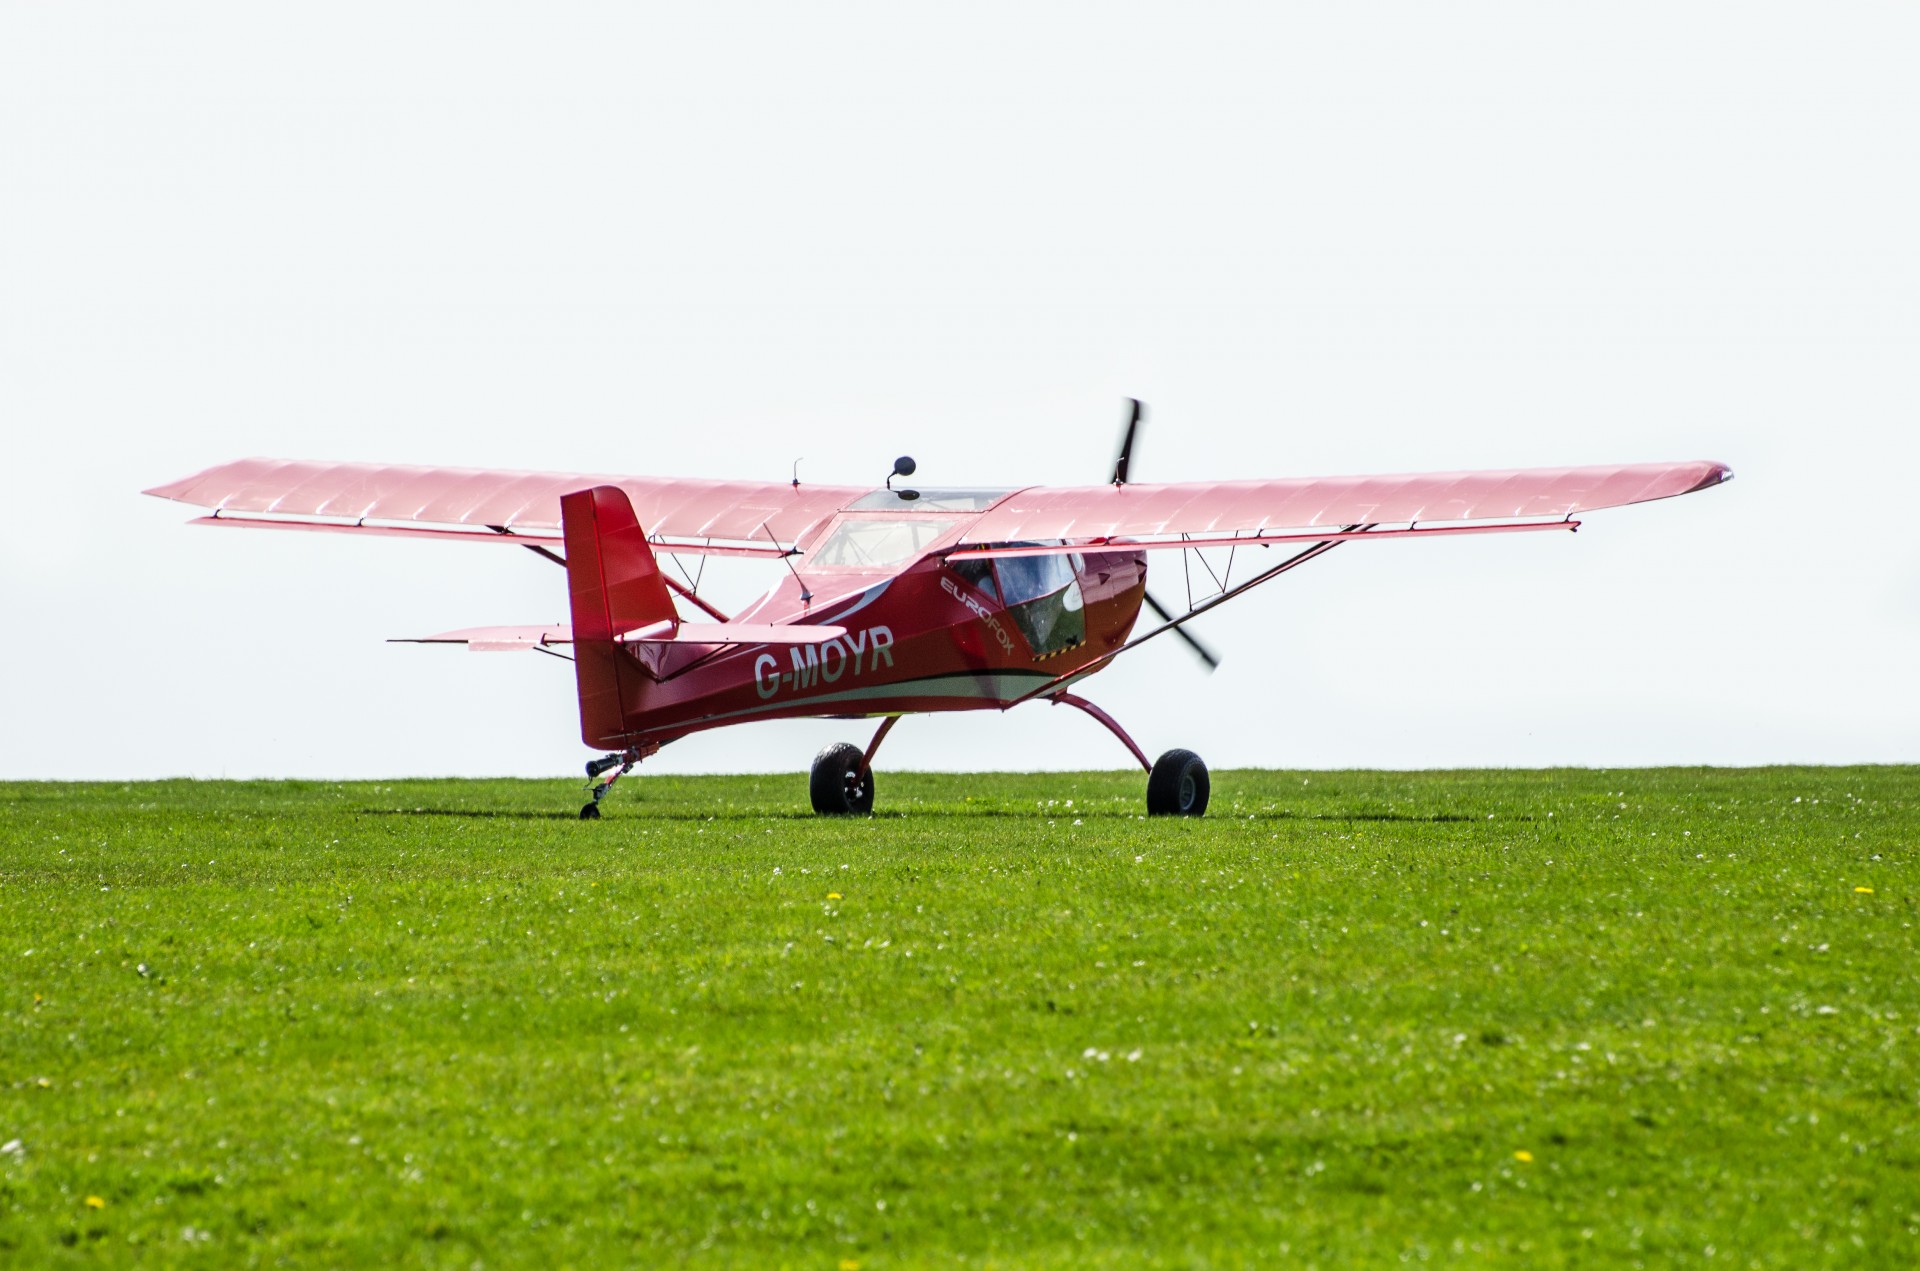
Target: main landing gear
1177 785
841 784
842 780
1177 782
624 761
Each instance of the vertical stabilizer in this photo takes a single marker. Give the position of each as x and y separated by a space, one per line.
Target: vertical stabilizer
614 586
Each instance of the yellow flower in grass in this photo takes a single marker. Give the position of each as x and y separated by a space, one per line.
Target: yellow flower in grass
1864 891
94 1202
1523 1155
833 895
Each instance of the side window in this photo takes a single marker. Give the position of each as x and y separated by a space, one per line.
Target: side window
1043 595
1029 577
979 573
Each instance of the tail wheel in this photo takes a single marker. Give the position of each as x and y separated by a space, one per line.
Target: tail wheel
1178 785
842 784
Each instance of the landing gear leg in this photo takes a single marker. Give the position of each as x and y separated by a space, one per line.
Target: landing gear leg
1177 782
1112 724
624 761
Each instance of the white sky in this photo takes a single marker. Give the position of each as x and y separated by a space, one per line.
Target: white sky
703 240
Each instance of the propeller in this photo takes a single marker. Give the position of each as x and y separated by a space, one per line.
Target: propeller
1200 650
1135 413
1134 416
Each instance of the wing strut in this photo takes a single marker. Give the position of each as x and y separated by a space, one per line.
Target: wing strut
1292 562
1135 413
687 593
535 548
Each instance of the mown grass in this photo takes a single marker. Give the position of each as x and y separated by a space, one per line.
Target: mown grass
1559 1018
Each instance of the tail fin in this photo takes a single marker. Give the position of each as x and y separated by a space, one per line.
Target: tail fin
615 586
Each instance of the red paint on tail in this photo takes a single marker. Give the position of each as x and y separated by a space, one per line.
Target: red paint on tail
614 585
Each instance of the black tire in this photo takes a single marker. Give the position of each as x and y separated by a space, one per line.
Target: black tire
1178 785
842 784
590 813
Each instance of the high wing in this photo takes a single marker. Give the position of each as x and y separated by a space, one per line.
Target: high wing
1317 512
758 518
1190 514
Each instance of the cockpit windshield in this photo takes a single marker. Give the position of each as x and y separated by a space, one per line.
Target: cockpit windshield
903 500
873 542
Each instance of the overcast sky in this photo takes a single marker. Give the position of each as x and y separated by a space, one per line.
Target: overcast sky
705 240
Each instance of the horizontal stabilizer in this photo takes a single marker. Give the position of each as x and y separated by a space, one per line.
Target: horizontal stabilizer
496 639
510 639
729 633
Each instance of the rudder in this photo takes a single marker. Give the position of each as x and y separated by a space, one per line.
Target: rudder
614 585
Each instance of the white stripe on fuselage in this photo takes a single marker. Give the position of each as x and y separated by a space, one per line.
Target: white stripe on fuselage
988 686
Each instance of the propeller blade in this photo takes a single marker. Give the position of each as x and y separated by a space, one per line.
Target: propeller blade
1134 415
1205 654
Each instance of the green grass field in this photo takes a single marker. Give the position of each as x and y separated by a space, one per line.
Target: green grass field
1551 1018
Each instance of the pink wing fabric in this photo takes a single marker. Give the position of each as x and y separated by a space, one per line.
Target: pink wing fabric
682 507
1225 507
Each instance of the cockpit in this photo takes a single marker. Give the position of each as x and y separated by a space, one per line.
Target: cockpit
867 541
885 529
878 542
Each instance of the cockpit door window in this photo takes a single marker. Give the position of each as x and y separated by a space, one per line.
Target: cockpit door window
978 573
1043 595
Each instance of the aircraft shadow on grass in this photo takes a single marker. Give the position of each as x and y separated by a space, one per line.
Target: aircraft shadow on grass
697 814
1436 818
648 814
483 814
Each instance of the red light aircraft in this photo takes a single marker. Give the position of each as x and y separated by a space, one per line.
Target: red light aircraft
894 601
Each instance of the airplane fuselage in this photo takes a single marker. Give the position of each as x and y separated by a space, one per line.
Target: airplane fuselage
934 637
